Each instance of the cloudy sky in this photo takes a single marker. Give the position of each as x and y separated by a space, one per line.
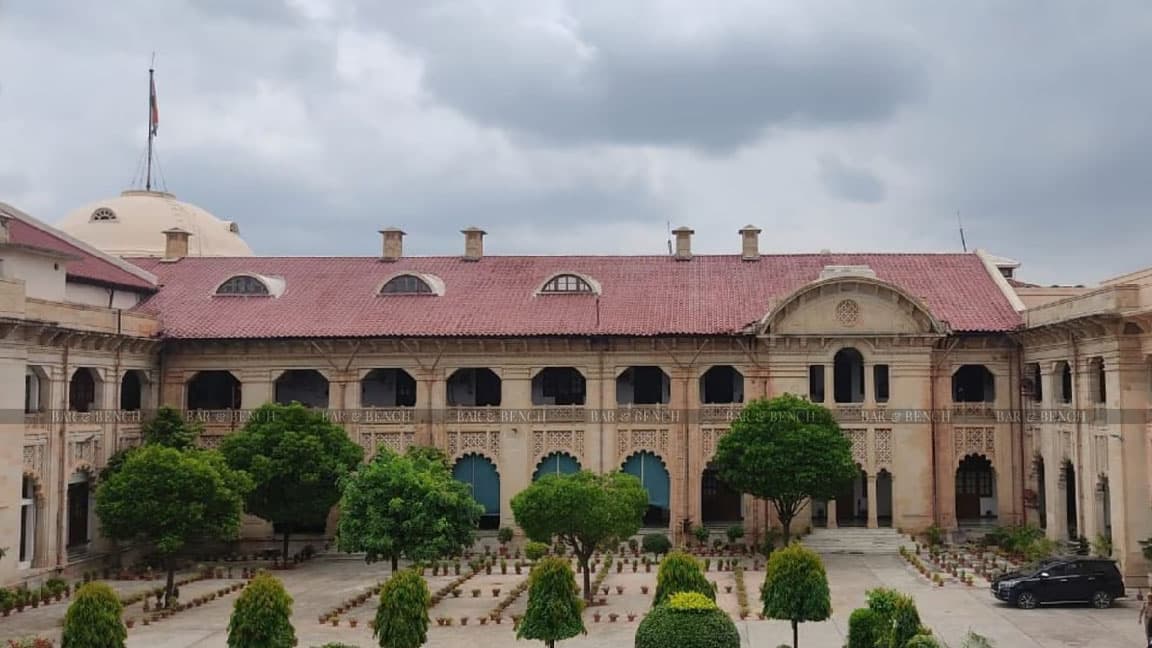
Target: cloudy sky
586 126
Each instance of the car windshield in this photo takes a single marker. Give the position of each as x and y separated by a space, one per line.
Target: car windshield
1033 568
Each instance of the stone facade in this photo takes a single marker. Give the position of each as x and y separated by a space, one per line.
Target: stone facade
948 428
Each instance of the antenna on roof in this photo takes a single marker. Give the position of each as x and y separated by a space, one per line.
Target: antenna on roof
963 243
669 225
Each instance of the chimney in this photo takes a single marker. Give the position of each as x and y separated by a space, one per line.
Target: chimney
5 236
175 244
750 250
683 243
473 243
393 244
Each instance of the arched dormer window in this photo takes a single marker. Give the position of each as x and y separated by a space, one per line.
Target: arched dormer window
406 285
103 214
244 285
567 283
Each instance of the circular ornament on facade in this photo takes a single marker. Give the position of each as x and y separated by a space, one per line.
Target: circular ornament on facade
847 312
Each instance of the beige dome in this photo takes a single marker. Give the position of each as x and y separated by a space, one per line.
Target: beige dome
133 224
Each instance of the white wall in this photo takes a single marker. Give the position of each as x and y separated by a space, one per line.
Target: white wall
43 276
79 293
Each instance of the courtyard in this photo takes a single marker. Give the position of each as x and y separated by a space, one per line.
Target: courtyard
330 581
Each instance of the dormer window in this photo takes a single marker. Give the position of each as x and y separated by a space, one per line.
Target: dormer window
567 283
406 285
103 214
245 285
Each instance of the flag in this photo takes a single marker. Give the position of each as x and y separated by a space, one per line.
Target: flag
154 111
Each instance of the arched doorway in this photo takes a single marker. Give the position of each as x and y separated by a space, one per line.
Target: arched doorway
79 511
305 386
132 391
1104 508
719 502
654 477
852 501
83 393
29 518
1068 476
213 390
848 377
884 498
557 463
975 490
480 474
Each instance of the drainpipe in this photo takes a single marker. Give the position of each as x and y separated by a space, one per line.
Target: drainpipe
62 479
932 431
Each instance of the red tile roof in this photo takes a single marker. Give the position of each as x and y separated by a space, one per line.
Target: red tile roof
86 266
496 296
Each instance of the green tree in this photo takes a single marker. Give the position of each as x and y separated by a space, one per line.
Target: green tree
167 428
687 620
402 618
406 506
168 497
170 429
554 606
680 572
796 588
583 510
290 449
261 616
786 450
93 619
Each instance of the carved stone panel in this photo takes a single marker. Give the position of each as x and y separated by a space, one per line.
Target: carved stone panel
882 440
975 440
545 442
630 441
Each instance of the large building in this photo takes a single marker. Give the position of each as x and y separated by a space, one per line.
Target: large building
970 397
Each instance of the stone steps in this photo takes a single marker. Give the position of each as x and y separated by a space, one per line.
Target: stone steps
851 540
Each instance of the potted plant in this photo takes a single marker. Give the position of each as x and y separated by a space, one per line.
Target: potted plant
701 534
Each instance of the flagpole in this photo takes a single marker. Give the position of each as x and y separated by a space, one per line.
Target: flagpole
151 130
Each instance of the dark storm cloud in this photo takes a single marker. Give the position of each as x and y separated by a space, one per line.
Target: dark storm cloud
591 83
269 207
851 183
313 123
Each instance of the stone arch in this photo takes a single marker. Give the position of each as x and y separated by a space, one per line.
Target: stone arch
652 470
845 287
976 488
557 462
482 475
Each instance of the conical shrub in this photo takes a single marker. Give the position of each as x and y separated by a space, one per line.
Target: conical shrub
680 572
402 618
93 619
261 616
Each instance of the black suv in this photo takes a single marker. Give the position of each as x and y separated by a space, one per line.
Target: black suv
1062 580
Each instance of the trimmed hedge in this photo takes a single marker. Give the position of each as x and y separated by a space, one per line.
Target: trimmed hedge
656 543
680 572
535 550
261 616
93 619
864 629
688 620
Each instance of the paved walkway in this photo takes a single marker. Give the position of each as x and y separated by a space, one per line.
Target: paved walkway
951 611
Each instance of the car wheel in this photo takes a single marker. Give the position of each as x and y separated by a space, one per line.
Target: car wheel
1026 600
1101 600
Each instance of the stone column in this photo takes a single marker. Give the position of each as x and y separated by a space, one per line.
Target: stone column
872 500
515 438
12 369
256 387
831 508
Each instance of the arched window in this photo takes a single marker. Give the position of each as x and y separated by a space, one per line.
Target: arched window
567 283
243 285
406 285
848 376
